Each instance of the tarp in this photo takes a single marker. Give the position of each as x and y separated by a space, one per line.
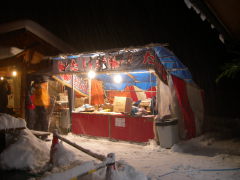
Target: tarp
141 79
172 64
133 92
188 115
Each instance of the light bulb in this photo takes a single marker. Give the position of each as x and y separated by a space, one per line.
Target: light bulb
117 78
91 74
14 73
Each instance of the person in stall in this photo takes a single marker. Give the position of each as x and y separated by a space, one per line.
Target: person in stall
5 90
30 108
153 106
41 101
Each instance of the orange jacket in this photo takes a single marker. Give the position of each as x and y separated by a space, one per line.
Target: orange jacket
41 96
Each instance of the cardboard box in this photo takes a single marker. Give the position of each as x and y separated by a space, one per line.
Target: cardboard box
122 104
78 102
62 97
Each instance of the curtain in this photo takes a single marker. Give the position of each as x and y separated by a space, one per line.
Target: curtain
97 94
188 115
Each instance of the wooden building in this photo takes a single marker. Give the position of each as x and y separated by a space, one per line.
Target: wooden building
23 44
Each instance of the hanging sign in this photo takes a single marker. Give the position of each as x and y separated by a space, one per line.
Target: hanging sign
124 61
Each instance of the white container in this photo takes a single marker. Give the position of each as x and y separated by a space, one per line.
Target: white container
167 132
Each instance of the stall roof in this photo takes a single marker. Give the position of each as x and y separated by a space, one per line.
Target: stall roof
142 58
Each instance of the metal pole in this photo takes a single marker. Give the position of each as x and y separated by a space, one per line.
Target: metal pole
97 156
72 98
90 89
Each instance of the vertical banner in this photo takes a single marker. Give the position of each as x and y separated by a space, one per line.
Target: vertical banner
80 84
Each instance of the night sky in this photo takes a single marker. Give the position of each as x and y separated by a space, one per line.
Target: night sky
99 25
96 25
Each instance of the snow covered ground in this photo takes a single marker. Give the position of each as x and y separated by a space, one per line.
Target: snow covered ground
204 157
200 158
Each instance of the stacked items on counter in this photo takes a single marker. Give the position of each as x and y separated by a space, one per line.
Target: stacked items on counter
121 105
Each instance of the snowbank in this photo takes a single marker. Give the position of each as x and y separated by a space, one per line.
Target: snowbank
64 157
8 122
27 153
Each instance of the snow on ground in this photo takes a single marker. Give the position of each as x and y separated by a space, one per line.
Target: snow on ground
63 157
204 157
199 158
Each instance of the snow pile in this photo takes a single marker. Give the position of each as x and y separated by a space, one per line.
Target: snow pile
27 153
126 172
63 157
8 122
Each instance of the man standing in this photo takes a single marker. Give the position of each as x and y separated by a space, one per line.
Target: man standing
41 101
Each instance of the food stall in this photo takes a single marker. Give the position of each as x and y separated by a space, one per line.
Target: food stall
116 94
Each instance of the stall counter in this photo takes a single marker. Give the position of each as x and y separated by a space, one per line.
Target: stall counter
113 125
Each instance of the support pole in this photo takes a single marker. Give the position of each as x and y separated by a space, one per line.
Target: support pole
90 153
90 90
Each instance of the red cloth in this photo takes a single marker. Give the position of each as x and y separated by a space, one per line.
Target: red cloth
132 93
151 94
97 94
188 116
31 105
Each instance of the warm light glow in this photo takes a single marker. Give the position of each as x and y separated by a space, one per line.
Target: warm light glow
14 73
117 78
2 78
91 74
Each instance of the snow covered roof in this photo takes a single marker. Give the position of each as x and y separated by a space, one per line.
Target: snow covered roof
7 52
29 34
222 15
